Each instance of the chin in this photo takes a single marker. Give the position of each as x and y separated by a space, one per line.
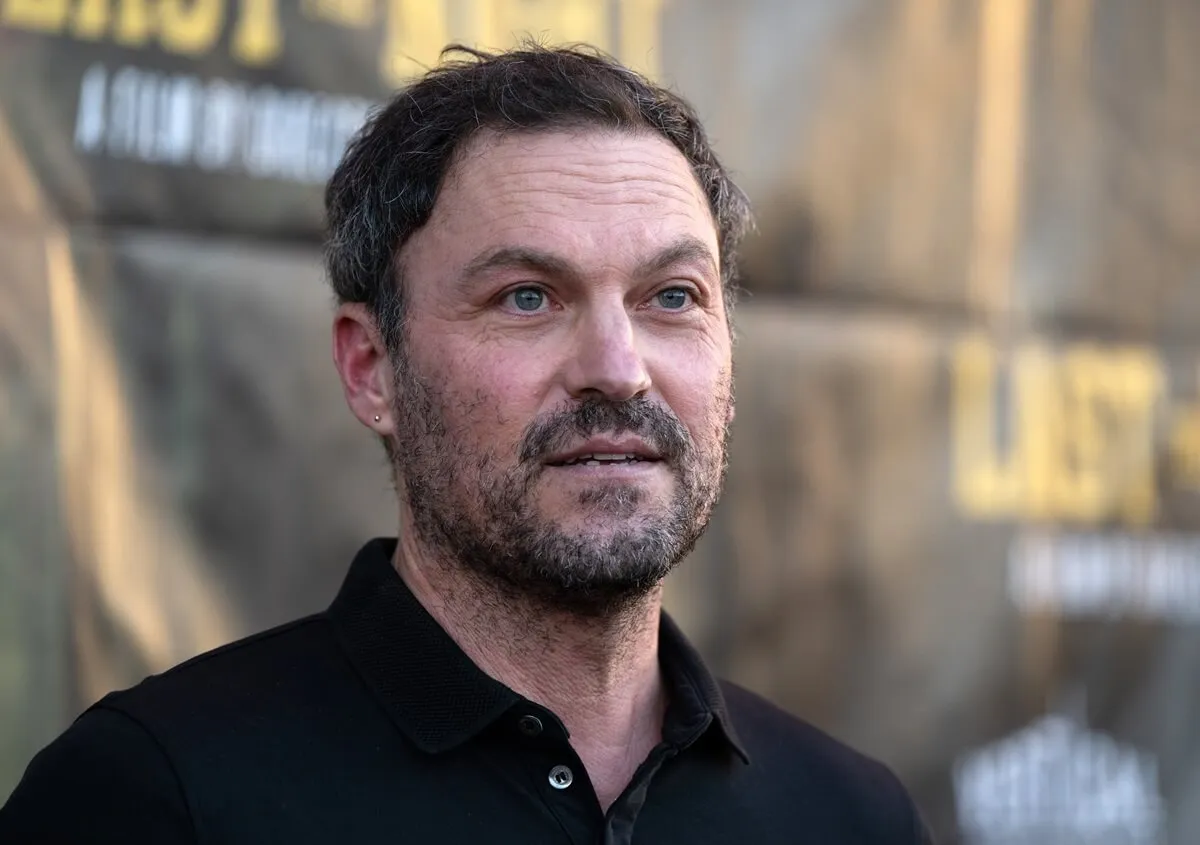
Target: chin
606 519
598 531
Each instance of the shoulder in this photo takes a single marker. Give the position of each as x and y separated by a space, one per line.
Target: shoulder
105 780
804 760
777 737
258 672
152 749
211 697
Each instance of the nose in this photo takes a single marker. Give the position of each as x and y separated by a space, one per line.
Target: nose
606 358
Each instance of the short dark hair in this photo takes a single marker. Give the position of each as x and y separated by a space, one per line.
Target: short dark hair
386 185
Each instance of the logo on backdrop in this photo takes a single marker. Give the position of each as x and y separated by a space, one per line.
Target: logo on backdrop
1107 575
217 124
1057 783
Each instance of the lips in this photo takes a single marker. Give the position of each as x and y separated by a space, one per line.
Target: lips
606 452
600 459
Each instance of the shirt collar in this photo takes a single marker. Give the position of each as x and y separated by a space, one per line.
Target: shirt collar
440 699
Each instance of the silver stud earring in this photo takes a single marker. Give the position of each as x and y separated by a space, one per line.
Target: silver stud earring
378 418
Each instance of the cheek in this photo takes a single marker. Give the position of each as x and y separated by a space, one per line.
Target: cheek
488 402
695 379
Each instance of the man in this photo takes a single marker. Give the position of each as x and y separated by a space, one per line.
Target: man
534 257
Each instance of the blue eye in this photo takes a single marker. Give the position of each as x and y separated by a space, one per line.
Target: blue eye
528 299
674 298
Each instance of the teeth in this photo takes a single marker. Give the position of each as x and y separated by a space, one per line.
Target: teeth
596 459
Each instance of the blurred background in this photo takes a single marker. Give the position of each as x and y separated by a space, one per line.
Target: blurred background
962 522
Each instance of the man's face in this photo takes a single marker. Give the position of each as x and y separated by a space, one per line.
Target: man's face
565 389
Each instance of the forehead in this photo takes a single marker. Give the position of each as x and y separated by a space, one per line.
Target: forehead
582 193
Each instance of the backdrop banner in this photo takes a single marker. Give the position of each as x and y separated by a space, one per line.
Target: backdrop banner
962 521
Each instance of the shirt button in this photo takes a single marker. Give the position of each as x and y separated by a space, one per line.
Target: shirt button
529 725
561 777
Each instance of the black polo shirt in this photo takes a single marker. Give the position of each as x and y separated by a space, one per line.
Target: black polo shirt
367 724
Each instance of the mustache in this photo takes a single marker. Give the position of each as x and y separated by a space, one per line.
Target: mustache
555 432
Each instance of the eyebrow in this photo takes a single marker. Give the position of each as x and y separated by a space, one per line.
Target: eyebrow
519 258
685 250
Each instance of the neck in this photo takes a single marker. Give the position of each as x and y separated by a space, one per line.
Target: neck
600 675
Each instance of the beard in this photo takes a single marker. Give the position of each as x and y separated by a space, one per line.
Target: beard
477 510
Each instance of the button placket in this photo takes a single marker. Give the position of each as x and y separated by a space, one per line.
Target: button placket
557 773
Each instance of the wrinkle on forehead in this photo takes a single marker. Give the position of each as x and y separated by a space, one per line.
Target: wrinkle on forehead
604 200
591 168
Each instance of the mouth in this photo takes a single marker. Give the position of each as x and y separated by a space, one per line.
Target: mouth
605 459
608 452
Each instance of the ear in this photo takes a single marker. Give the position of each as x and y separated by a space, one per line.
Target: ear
364 367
